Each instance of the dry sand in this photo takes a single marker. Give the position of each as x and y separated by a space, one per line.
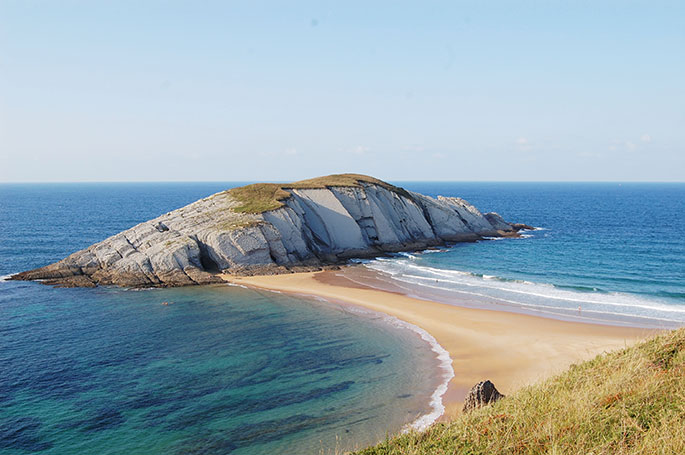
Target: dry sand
512 350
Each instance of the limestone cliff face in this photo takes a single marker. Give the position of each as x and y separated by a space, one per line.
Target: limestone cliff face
312 228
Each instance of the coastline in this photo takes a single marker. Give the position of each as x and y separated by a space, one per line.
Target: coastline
513 350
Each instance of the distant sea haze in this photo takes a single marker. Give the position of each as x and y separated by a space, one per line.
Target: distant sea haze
226 369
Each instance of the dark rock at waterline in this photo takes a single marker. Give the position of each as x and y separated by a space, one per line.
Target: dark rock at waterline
480 395
522 227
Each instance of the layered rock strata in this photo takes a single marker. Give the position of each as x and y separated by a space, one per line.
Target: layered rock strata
311 228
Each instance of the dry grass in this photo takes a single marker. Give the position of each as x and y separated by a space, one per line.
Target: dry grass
261 197
626 402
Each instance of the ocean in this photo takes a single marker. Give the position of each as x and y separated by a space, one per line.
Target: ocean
222 369
611 253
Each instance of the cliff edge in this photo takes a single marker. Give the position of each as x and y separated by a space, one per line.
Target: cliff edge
273 228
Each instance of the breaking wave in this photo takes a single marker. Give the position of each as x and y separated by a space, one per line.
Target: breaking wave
577 302
445 365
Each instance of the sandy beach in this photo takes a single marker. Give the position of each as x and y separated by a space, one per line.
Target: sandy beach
512 350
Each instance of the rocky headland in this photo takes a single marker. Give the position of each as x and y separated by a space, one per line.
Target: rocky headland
270 228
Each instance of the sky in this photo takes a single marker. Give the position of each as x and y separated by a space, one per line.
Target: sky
280 91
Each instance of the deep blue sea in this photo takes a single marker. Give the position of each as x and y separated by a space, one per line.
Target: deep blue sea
229 370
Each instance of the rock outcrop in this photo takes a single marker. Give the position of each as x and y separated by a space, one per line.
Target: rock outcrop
480 395
268 228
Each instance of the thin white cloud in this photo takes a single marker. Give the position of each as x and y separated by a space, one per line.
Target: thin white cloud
627 145
358 150
523 144
414 148
646 138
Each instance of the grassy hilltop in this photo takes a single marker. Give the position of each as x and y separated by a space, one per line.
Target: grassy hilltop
262 197
626 402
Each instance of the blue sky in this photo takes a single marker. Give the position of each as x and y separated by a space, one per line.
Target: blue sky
150 91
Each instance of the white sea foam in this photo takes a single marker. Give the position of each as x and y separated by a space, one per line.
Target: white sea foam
520 236
5 277
438 408
542 290
540 297
445 361
551 310
441 250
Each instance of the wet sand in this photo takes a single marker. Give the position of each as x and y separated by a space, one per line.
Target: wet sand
511 349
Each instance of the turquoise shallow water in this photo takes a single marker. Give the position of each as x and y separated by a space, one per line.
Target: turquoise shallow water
216 371
219 370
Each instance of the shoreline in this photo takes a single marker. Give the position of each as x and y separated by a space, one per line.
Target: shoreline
442 356
512 350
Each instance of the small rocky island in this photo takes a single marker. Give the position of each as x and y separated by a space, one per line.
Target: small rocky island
269 228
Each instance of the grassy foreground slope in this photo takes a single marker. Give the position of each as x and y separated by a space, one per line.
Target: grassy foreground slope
626 402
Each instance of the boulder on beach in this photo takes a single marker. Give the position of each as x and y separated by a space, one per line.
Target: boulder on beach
480 395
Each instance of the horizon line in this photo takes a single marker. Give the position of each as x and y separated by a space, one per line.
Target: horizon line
25 182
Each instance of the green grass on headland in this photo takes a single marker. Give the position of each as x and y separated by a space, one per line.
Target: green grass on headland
626 402
261 197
